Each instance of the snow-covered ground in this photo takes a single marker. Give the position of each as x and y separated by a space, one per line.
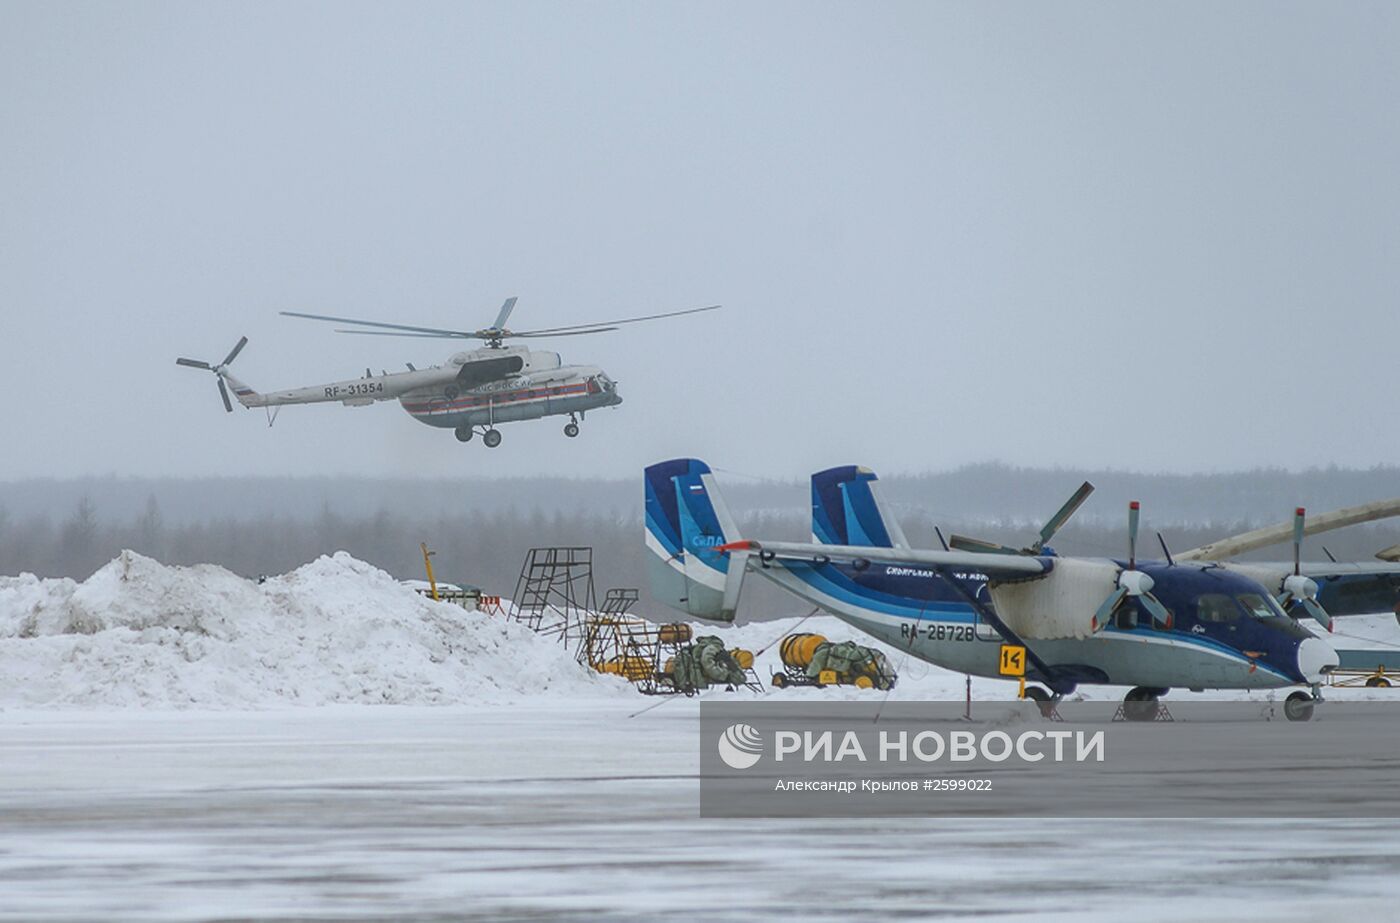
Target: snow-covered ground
572 810
183 744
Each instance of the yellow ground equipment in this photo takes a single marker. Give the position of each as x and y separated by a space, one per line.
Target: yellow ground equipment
616 643
811 660
659 659
693 667
677 633
464 595
742 657
1379 669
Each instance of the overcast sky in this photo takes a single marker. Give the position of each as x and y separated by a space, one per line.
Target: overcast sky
1148 236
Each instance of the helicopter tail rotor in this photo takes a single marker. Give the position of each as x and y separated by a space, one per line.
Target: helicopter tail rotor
220 371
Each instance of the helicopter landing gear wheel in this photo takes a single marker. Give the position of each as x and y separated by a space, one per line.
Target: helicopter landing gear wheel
464 433
1140 704
492 438
571 428
1298 706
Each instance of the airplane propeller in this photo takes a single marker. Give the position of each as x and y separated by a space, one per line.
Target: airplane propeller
218 370
1300 590
1132 582
1053 525
494 334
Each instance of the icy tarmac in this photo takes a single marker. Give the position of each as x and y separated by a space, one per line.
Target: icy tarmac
568 809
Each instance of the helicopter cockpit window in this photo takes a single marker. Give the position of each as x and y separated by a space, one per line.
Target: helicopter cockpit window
1216 607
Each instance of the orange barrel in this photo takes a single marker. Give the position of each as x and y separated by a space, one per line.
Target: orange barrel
635 669
675 633
797 650
742 657
670 666
630 668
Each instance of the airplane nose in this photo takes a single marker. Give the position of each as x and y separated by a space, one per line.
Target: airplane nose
1316 657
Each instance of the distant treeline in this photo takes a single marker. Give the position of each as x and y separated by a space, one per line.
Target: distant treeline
977 493
484 542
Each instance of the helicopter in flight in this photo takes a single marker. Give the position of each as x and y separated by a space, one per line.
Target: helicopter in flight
472 391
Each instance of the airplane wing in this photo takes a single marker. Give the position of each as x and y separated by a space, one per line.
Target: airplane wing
1236 545
1348 588
1034 598
991 565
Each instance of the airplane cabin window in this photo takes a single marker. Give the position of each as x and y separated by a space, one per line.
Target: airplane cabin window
1216 607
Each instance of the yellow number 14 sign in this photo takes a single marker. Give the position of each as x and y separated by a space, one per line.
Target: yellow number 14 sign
1013 660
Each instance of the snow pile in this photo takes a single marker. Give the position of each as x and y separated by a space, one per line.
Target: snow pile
140 634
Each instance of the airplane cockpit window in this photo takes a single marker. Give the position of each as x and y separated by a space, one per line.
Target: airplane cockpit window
1255 605
1216 607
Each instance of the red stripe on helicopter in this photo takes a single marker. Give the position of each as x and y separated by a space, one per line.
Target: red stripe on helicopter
505 397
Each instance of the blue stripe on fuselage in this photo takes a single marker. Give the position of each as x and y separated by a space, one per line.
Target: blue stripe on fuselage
877 591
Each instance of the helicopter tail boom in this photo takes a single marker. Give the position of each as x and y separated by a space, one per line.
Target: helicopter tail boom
242 393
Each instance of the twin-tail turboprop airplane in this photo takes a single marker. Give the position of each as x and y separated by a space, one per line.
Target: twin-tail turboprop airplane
473 390
1152 625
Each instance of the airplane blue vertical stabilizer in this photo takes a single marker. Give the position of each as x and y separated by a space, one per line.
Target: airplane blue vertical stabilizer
847 509
686 525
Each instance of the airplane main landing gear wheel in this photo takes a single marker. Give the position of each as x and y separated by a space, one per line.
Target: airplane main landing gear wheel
1298 706
1042 699
492 438
463 433
1140 704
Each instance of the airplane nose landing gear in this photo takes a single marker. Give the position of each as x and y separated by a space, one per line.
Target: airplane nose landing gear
1299 706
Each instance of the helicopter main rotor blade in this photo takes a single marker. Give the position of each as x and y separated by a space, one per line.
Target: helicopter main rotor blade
565 333
506 308
608 323
422 336
435 331
195 364
223 393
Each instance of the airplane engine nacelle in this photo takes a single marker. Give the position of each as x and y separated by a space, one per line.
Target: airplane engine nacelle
1059 604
